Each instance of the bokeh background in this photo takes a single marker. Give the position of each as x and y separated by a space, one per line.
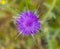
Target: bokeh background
49 14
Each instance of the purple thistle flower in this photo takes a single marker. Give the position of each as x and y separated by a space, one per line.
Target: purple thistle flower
28 23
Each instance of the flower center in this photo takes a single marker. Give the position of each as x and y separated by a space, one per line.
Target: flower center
29 23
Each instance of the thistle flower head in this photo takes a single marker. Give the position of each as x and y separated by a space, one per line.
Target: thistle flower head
28 23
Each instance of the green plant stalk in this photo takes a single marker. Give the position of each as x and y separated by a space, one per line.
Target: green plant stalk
49 11
10 9
47 32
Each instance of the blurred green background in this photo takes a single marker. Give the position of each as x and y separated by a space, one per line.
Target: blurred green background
49 14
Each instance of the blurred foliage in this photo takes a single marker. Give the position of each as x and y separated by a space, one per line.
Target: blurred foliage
49 14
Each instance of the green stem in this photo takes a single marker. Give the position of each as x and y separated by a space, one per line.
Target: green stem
50 9
9 9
